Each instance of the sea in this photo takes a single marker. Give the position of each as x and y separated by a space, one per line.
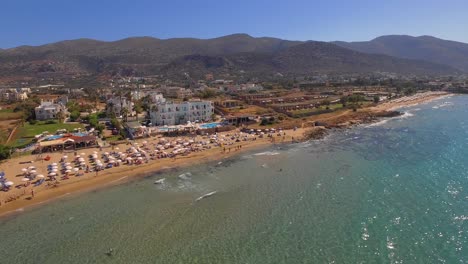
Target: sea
391 192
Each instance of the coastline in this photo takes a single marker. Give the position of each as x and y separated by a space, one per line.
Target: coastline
125 173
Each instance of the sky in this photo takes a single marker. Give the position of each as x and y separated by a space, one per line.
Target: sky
37 22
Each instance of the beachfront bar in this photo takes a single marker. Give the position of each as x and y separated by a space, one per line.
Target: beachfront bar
66 143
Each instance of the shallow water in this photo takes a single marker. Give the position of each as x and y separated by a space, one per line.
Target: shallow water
395 192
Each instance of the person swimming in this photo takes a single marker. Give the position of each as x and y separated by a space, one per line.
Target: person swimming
110 252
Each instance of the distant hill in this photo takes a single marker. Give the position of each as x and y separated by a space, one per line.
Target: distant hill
301 59
426 48
232 55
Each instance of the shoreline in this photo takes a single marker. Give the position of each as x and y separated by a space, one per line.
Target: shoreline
115 176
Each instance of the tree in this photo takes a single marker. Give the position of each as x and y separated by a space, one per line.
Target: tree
376 99
325 102
344 100
138 109
124 113
74 115
5 152
60 116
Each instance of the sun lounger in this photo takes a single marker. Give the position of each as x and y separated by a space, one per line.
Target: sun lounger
39 182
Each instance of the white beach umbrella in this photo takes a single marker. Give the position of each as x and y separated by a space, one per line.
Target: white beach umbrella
33 172
54 170
25 180
67 171
40 176
31 168
68 167
117 148
67 163
65 157
24 170
140 158
82 154
9 183
54 164
52 174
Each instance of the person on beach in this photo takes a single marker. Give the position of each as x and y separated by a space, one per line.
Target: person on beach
32 193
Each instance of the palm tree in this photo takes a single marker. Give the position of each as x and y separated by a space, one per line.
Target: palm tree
124 113
60 116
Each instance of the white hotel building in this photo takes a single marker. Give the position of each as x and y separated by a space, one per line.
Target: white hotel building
177 113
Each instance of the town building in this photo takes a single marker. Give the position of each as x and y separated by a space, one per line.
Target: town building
14 95
117 104
50 110
176 92
176 113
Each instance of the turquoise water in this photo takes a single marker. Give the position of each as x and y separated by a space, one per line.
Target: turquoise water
210 125
394 192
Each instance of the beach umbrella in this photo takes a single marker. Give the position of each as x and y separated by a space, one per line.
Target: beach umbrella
106 153
24 170
77 156
25 180
81 160
31 168
68 167
52 174
67 163
40 176
33 171
116 148
75 169
54 170
9 183
140 158
67 171
65 157
54 164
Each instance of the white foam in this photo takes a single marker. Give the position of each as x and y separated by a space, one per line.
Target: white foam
185 176
267 153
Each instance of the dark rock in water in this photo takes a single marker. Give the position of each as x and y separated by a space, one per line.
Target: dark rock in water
315 133
320 123
389 114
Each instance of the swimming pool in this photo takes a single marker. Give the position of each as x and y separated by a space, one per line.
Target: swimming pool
210 125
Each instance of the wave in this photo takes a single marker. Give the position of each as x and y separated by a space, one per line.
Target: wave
267 153
405 115
185 176
444 104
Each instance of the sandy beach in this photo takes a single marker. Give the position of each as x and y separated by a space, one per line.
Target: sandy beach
117 175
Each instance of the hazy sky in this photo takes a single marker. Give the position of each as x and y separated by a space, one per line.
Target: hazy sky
35 22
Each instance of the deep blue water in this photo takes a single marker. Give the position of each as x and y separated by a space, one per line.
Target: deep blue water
393 192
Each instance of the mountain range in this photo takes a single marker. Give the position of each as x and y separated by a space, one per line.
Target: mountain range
233 55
